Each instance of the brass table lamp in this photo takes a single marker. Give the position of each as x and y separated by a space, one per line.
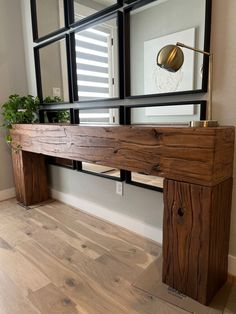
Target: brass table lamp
171 58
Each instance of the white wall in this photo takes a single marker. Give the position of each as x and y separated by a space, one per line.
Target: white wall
48 12
12 76
138 210
224 96
143 209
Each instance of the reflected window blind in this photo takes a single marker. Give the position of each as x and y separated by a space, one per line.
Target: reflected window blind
93 55
96 116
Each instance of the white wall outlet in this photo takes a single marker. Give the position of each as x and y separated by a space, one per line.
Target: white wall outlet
119 188
56 92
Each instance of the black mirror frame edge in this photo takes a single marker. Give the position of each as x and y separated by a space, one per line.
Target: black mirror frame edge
69 18
38 67
119 17
127 74
34 18
127 121
92 17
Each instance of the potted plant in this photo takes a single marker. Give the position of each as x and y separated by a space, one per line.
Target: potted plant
19 109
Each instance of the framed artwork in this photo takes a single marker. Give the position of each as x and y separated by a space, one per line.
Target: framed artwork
158 80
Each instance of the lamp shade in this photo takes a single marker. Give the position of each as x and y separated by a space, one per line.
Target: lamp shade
170 58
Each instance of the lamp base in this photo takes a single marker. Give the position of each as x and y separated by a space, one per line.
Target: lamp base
203 124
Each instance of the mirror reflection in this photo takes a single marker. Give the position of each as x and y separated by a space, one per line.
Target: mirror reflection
85 8
50 16
100 170
155 25
53 70
57 116
167 114
152 181
103 116
96 63
63 162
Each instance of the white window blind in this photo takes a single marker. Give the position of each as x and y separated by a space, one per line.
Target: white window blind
93 63
95 67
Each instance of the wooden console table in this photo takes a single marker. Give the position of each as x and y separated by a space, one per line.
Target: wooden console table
197 166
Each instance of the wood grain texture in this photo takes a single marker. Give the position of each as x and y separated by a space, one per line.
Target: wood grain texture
219 236
197 202
34 278
30 177
50 300
196 155
195 237
11 299
64 278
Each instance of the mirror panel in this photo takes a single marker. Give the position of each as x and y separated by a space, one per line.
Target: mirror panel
52 74
168 114
82 9
48 17
57 116
98 116
62 162
101 170
96 64
156 24
151 181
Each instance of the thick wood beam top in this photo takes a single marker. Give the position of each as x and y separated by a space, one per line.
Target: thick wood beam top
196 155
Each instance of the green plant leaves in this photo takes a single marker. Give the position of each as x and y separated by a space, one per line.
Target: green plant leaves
54 99
63 116
20 109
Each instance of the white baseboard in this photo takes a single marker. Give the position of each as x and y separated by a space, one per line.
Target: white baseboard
232 265
127 222
119 219
6 194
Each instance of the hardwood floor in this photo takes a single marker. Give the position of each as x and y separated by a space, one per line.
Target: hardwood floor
56 259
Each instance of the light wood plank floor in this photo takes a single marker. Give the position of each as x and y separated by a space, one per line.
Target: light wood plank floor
56 259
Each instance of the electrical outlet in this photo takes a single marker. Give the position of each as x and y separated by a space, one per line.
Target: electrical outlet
119 188
56 92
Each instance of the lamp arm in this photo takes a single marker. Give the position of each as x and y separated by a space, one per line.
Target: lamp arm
210 76
194 49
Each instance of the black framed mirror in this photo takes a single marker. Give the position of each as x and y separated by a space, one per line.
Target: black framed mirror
84 11
99 115
144 181
65 116
167 114
152 24
97 60
53 71
49 18
101 171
